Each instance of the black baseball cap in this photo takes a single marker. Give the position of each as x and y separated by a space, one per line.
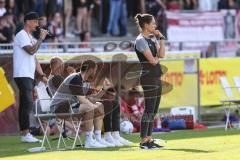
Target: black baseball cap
31 16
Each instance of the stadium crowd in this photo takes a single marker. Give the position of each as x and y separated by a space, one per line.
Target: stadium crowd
73 18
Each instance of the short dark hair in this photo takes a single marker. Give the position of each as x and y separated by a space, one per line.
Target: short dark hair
88 64
31 16
142 19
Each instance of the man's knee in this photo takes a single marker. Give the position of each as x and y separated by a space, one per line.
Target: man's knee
83 108
87 112
99 111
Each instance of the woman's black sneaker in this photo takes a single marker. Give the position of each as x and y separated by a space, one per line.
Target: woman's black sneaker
144 145
152 143
148 145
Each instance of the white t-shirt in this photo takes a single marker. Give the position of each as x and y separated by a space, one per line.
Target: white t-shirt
2 11
206 5
24 64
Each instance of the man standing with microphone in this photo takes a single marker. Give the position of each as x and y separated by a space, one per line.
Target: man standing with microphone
25 64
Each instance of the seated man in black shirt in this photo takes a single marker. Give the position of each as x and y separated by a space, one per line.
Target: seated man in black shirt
76 89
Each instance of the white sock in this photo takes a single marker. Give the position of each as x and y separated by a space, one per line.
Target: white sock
89 136
107 135
116 134
98 134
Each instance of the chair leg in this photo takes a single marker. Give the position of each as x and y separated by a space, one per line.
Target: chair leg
77 129
238 106
45 137
63 138
227 113
60 134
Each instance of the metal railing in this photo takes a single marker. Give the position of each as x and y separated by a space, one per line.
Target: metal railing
75 47
127 45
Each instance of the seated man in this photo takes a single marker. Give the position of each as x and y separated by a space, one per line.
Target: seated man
75 89
55 79
112 116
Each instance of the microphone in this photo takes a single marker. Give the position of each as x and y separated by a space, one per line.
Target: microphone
39 29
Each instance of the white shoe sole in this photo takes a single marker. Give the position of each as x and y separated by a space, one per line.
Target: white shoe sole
89 147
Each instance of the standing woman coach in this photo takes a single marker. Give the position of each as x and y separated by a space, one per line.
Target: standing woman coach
149 47
25 64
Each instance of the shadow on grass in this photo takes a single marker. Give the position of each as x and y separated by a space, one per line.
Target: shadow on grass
190 150
190 134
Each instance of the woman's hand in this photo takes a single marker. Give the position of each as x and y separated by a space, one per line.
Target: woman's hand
158 34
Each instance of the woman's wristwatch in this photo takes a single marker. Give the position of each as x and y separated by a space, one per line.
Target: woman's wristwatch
161 38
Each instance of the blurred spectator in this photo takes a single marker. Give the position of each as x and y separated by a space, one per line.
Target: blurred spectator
117 25
87 19
132 106
51 8
68 14
59 5
229 25
11 7
154 6
238 49
211 50
227 4
10 20
238 4
85 33
81 13
56 28
104 17
20 24
95 19
162 23
25 6
223 4
3 9
133 7
189 4
205 5
40 7
238 24
6 34
173 5
112 14
43 23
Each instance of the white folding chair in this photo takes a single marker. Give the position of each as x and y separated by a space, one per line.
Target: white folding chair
228 102
236 80
43 113
65 113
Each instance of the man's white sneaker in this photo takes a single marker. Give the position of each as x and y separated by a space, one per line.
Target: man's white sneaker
29 139
125 142
104 142
111 140
94 144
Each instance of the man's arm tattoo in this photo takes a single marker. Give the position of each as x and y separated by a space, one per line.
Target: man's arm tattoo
33 49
